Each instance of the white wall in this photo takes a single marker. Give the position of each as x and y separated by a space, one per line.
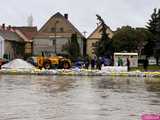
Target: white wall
1 47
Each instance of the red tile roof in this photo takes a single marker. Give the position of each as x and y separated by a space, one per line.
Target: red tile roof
28 32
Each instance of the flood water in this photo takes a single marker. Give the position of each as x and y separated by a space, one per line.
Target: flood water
77 98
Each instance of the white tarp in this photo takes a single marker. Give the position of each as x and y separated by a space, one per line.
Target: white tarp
17 64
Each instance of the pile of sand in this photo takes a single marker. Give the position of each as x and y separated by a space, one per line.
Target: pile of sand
17 64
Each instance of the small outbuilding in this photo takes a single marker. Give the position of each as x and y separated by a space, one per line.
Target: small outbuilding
122 57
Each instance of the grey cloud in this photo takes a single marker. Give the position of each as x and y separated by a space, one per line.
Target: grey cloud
81 12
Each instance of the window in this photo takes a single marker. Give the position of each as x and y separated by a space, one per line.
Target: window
53 29
61 29
94 44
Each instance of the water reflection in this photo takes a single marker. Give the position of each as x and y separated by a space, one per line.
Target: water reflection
153 85
77 98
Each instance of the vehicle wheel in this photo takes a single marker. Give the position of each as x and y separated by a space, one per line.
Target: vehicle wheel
66 65
47 65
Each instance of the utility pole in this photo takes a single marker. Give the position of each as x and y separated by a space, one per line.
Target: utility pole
55 35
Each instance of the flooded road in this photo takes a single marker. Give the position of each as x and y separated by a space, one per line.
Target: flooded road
77 98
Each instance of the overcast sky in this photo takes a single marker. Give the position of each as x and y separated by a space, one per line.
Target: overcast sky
82 13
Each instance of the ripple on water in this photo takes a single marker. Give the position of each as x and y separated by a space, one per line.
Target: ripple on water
77 98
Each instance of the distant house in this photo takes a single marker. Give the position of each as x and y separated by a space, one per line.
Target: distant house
54 34
14 43
94 37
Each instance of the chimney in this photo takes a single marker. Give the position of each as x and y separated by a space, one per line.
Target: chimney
3 26
66 16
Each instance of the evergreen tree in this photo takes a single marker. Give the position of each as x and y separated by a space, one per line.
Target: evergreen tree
152 24
154 28
143 39
72 47
104 45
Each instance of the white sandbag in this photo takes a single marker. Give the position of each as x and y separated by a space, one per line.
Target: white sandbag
114 69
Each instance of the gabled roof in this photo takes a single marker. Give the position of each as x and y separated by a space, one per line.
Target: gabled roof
18 34
58 15
96 34
10 36
27 32
26 28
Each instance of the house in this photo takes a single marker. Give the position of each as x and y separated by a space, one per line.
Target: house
11 45
94 37
54 34
14 43
27 33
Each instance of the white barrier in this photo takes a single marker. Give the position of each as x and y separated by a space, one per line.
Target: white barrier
106 71
115 69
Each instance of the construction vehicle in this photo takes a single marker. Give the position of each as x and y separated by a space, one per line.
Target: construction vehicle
50 62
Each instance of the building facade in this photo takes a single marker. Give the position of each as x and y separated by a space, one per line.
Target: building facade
26 33
11 45
54 34
48 44
94 37
14 43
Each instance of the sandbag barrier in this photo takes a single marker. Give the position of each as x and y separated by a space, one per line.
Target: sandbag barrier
78 72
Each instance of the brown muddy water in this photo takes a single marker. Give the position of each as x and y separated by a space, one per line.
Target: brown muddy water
77 98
